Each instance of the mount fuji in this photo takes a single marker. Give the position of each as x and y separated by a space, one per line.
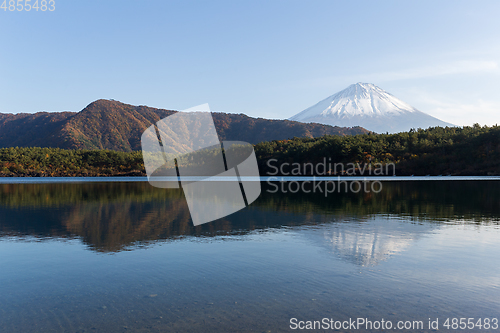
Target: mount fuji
368 106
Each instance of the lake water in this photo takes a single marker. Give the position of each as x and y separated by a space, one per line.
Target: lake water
125 257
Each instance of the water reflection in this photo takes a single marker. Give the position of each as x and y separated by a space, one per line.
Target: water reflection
412 252
366 241
362 228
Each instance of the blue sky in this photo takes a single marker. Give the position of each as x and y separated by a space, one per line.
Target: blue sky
263 58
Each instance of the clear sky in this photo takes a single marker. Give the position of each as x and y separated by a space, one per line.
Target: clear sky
263 58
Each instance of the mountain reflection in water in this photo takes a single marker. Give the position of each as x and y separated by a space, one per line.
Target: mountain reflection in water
115 257
361 228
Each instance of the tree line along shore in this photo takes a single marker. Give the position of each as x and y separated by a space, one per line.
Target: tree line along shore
470 150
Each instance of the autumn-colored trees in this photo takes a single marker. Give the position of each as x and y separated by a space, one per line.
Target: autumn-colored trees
436 151
37 161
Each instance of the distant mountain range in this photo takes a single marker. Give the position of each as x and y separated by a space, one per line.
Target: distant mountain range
368 106
109 124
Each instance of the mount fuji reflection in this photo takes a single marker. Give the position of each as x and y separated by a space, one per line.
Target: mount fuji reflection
111 256
362 229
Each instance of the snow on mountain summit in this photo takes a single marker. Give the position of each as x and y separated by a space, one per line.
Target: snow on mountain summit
368 106
360 99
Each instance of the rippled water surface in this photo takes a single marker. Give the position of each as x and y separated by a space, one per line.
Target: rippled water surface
125 257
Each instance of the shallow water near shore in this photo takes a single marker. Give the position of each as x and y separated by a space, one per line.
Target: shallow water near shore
124 256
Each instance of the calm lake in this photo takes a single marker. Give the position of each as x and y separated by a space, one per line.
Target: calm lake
125 257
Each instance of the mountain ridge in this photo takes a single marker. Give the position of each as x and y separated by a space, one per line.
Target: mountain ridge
109 124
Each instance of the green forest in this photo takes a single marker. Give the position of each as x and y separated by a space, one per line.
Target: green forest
56 162
470 150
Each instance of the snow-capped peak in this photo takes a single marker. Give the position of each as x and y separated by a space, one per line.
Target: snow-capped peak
360 99
368 106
